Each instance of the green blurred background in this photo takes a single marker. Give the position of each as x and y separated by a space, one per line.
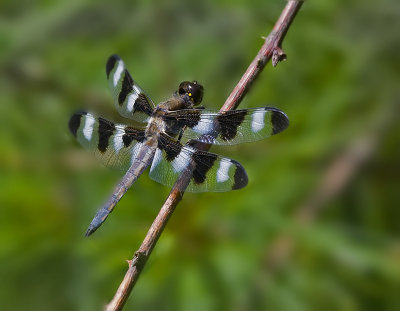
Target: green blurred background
318 224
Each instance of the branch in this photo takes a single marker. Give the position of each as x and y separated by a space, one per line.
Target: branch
270 50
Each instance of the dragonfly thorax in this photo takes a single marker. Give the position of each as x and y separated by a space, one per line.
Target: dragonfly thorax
155 126
189 94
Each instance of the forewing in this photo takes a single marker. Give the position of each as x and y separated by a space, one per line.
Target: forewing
230 127
116 145
211 173
130 100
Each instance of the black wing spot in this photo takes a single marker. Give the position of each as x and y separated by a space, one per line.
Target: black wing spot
192 118
75 122
229 122
132 134
106 129
204 161
177 120
279 121
127 139
240 176
142 105
126 87
111 63
171 147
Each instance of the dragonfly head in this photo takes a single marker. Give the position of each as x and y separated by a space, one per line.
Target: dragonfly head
192 89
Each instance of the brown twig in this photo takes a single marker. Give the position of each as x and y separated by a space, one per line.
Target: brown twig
270 49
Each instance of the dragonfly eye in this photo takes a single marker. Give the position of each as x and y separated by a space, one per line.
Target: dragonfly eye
182 88
193 89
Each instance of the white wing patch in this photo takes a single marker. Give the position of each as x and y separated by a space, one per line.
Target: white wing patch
132 98
118 142
135 151
204 127
156 160
257 124
182 160
223 171
136 89
118 72
88 128
131 101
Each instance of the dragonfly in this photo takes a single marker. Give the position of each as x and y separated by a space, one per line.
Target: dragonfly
158 143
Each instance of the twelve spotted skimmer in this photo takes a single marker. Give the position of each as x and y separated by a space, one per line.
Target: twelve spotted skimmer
133 149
